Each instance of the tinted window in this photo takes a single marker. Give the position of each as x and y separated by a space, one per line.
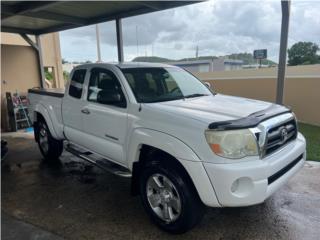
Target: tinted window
76 83
103 80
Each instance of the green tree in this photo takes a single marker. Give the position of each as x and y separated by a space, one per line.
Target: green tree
65 76
303 53
48 75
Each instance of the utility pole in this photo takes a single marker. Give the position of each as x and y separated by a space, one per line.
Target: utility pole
98 43
285 7
152 50
137 41
197 52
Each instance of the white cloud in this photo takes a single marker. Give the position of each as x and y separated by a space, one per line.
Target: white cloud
217 27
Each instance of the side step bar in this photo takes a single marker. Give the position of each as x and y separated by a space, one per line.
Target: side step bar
102 163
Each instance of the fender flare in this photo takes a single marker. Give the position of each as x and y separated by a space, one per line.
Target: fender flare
191 163
42 110
163 141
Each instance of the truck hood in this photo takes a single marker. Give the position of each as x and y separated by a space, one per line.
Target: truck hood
213 108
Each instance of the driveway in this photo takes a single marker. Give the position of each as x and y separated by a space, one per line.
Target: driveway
75 200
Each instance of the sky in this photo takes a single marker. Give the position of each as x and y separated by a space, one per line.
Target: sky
217 27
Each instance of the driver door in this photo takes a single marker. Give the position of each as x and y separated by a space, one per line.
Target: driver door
105 124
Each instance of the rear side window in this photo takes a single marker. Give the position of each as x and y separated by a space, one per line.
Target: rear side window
76 84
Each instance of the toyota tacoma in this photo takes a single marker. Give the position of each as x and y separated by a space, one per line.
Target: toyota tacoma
183 145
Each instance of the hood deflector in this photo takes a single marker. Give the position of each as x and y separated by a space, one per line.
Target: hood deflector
250 121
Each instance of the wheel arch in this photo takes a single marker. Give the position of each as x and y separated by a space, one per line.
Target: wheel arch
158 140
40 112
145 156
146 141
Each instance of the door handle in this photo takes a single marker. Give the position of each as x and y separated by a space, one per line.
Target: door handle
85 111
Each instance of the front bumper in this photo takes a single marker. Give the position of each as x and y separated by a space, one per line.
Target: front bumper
251 182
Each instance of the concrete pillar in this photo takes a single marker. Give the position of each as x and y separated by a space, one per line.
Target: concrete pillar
40 60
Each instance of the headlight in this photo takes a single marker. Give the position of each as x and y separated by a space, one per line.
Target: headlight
233 144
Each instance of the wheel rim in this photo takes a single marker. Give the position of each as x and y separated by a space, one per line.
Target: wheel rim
43 139
163 197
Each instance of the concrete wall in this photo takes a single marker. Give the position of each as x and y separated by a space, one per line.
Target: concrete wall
302 87
52 56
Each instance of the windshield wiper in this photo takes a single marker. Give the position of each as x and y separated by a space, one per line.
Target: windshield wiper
195 95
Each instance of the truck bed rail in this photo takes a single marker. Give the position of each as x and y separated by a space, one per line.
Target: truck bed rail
57 92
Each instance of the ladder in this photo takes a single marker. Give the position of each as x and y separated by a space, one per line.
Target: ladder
18 112
22 108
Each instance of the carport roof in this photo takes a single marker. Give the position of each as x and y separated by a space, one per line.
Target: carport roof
39 17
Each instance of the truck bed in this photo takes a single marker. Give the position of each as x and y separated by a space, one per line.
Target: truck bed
54 92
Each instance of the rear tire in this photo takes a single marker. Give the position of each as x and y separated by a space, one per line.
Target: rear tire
168 196
50 148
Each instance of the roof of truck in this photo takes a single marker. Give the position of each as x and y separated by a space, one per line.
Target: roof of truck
125 65
141 64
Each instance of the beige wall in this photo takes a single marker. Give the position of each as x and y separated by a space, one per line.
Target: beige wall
51 53
302 87
14 39
19 65
19 68
18 72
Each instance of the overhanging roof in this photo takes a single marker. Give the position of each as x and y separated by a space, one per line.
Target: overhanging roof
39 17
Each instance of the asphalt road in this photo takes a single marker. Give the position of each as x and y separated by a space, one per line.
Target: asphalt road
74 200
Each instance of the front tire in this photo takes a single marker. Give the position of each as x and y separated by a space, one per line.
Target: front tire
169 197
50 148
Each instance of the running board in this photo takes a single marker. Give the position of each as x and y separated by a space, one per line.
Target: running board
102 163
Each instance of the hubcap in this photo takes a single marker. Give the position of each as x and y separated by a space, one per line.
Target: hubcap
43 139
163 197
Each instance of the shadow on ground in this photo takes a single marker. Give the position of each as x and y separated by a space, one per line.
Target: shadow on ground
78 201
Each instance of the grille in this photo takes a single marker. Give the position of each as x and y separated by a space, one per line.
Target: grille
280 135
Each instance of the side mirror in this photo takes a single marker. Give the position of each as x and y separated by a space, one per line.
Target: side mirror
111 97
207 84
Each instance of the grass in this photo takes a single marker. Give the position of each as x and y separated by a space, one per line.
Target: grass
312 135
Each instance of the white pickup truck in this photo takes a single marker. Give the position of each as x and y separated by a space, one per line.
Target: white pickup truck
183 145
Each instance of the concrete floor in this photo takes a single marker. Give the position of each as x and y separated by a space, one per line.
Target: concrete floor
77 201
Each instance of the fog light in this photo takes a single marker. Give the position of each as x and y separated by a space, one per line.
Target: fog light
242 187
235 185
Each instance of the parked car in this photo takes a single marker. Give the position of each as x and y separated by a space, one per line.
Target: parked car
183 145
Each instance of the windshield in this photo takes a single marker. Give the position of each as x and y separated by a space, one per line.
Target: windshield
163 84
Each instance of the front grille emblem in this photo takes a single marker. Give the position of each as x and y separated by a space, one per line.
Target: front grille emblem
284 135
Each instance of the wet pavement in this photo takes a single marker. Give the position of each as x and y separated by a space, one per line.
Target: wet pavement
13 229
75 200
